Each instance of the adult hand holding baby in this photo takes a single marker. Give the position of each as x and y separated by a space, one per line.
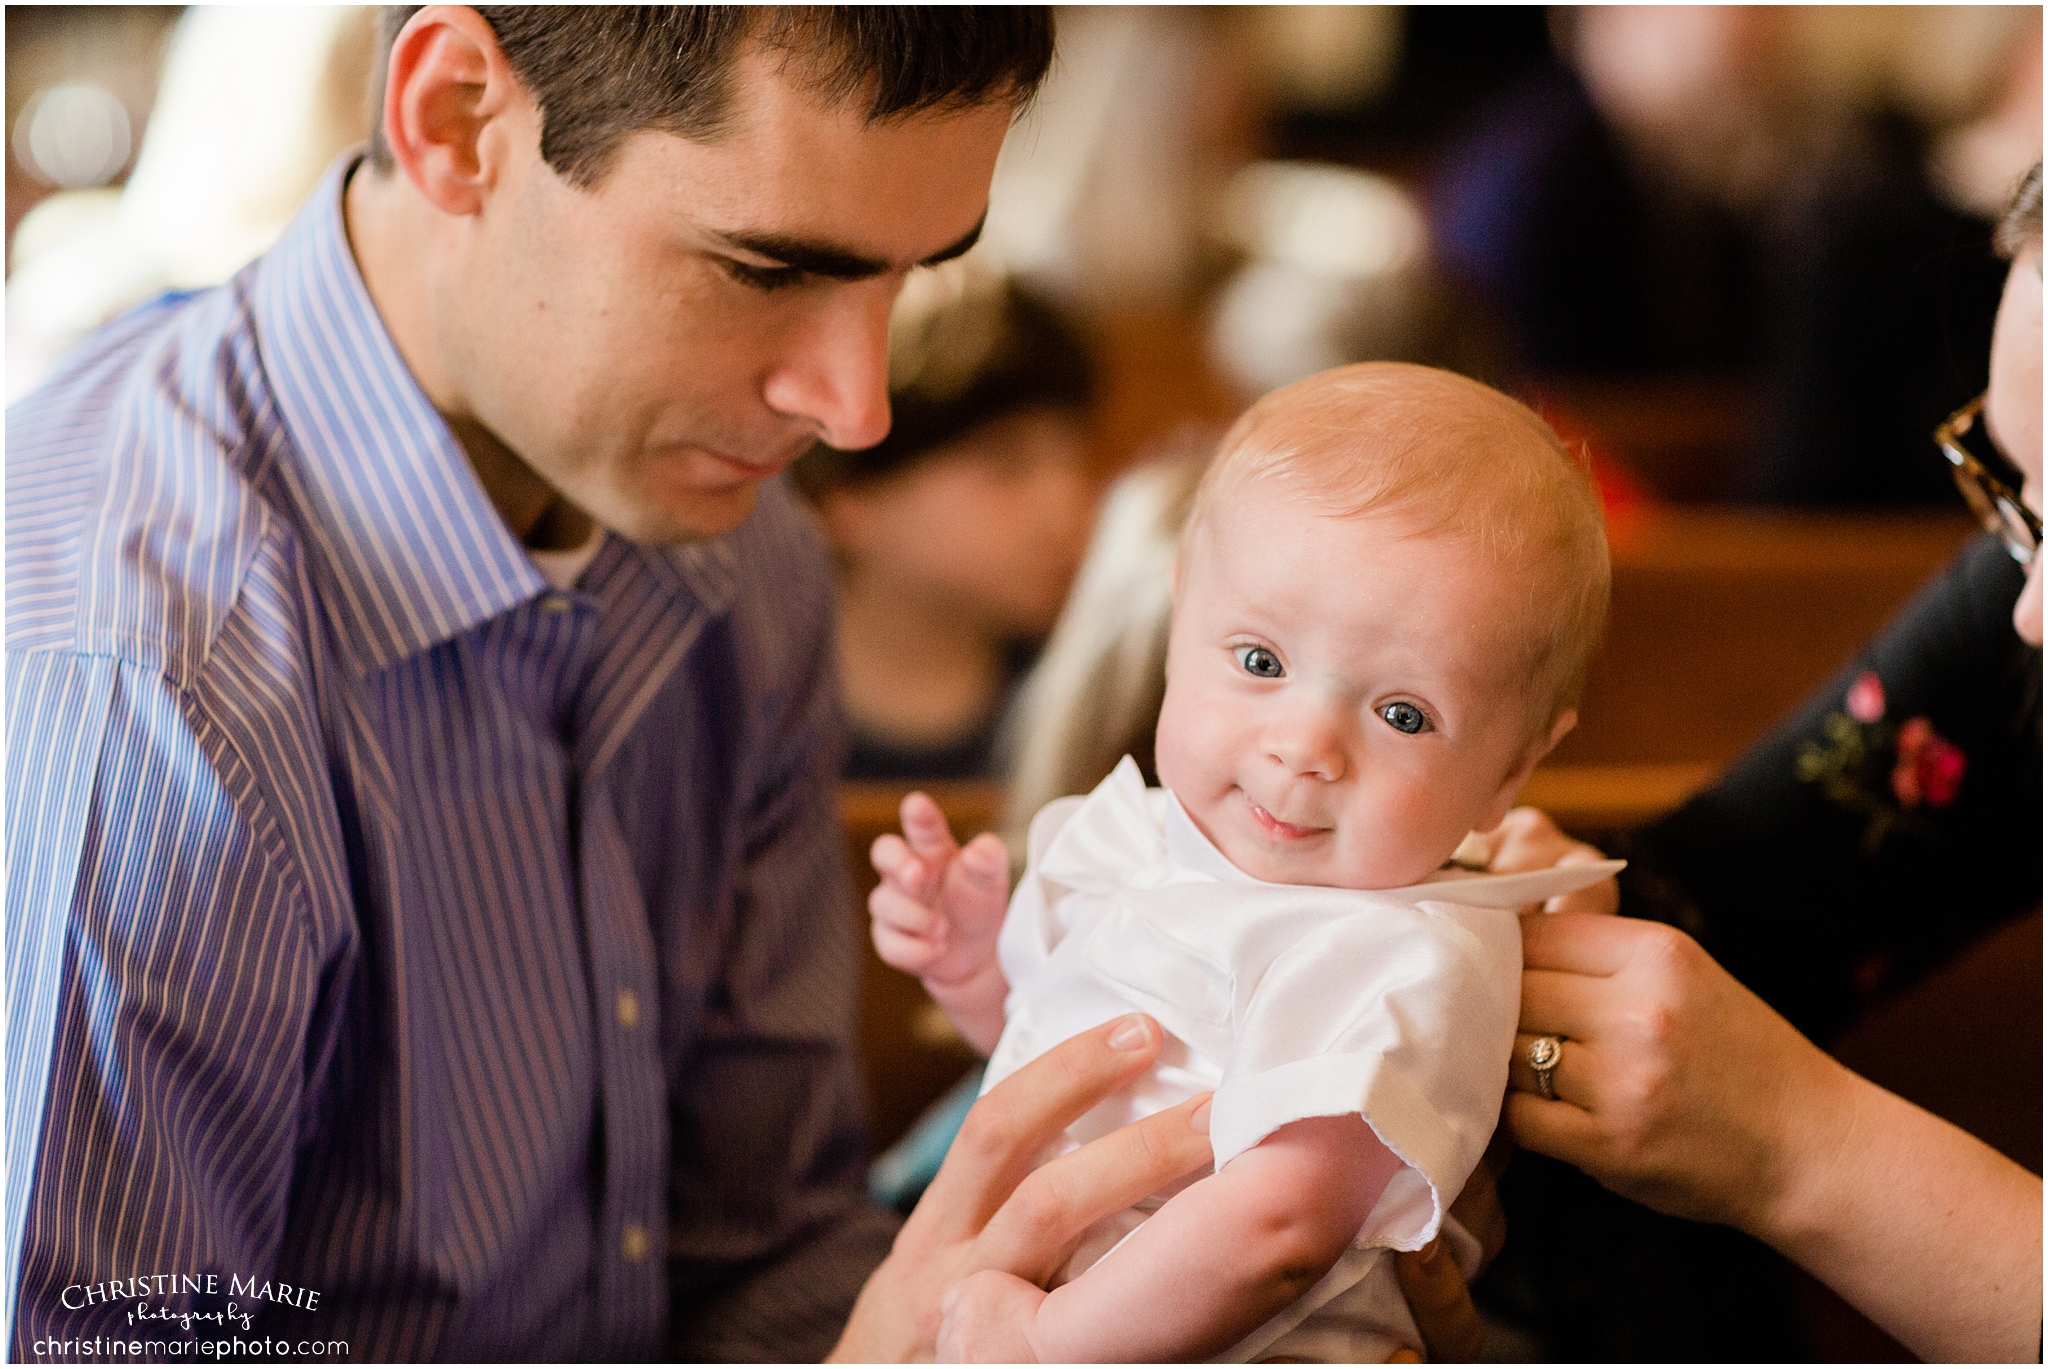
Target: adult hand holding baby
989 1210
937 912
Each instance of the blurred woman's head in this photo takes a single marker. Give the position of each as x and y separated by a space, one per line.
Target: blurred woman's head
977 504
2012 405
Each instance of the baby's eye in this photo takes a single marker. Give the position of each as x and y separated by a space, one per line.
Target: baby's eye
1404 718
1256 660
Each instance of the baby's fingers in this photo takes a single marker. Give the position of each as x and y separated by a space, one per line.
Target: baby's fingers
896 910
986 863
902 869
924 827
900 951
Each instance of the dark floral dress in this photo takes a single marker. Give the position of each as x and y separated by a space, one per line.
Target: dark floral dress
1891 820
1887 823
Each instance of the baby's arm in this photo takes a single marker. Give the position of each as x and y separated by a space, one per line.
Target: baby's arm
936 915
1219 1259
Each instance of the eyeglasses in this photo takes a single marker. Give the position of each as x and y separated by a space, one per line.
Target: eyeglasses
1995 502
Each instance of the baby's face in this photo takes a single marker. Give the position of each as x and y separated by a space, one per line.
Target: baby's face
1342 701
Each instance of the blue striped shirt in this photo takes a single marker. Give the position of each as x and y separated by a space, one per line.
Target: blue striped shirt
383 924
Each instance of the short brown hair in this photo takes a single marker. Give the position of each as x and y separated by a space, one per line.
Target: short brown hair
1466 461
600 72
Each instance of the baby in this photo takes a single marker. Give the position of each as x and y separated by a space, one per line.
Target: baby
1387 591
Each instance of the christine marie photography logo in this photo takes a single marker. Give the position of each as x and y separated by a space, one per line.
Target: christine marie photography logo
147 1292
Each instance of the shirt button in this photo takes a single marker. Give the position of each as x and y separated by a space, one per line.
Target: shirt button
556 603
633 1243
627 1006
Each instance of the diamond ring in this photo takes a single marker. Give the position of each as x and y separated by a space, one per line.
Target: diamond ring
1543 1055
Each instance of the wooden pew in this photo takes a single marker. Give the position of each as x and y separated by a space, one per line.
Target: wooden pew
1723 619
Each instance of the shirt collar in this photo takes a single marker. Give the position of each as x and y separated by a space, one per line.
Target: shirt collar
417 552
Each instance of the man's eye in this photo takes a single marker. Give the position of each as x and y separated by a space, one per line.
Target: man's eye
1404 718
1256 660
766 279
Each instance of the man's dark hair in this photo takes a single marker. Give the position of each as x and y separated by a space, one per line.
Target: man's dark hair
600 72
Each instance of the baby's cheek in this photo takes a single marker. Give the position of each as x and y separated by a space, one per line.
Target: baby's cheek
1412 834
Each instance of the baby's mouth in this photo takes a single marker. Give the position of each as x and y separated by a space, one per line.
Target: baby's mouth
1273 827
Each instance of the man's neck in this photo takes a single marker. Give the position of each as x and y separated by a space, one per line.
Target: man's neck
394 236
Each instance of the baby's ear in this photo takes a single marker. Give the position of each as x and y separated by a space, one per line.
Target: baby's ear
1531 757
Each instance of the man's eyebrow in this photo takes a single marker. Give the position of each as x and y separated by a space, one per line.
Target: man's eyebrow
832 261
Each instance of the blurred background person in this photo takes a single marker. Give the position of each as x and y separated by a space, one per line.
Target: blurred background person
957 535
1801 195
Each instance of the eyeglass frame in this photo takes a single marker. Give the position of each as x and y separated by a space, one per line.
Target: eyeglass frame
1995 502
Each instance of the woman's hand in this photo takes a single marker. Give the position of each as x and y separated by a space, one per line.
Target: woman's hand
1681 1089
989 1209
1528 840
1676 1086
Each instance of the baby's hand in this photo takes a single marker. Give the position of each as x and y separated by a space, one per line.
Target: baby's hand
939 905
984 1319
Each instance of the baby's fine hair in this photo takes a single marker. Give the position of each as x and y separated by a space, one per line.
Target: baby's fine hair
1462 460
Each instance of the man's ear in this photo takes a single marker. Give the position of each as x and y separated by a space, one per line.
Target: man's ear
449 95
1542 746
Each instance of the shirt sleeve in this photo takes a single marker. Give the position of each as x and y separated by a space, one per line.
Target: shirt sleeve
161 983
1404 1018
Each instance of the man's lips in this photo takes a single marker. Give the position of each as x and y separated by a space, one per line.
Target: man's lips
724 467
1278 830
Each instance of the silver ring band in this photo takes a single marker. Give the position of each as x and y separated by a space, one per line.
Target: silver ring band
1543 1055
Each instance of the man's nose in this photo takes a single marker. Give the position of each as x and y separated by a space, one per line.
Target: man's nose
836 373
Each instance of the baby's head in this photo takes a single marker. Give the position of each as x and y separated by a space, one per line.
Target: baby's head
1387 593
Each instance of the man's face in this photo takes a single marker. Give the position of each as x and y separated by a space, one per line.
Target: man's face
652 347
1342 700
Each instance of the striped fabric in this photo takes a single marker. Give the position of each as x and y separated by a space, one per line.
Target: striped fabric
381 922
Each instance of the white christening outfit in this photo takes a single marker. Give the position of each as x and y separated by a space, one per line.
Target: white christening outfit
1289 1001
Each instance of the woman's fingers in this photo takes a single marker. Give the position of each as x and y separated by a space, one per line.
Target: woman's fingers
1441 1303
1582 944
1528 840
1598 900
1035 1231
1011 1126
1571 1077
1554 1128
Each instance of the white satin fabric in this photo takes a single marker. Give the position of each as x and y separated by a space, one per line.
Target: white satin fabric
1289 1001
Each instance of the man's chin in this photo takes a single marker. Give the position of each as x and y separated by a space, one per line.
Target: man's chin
702 518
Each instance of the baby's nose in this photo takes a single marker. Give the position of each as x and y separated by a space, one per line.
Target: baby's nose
1310 747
